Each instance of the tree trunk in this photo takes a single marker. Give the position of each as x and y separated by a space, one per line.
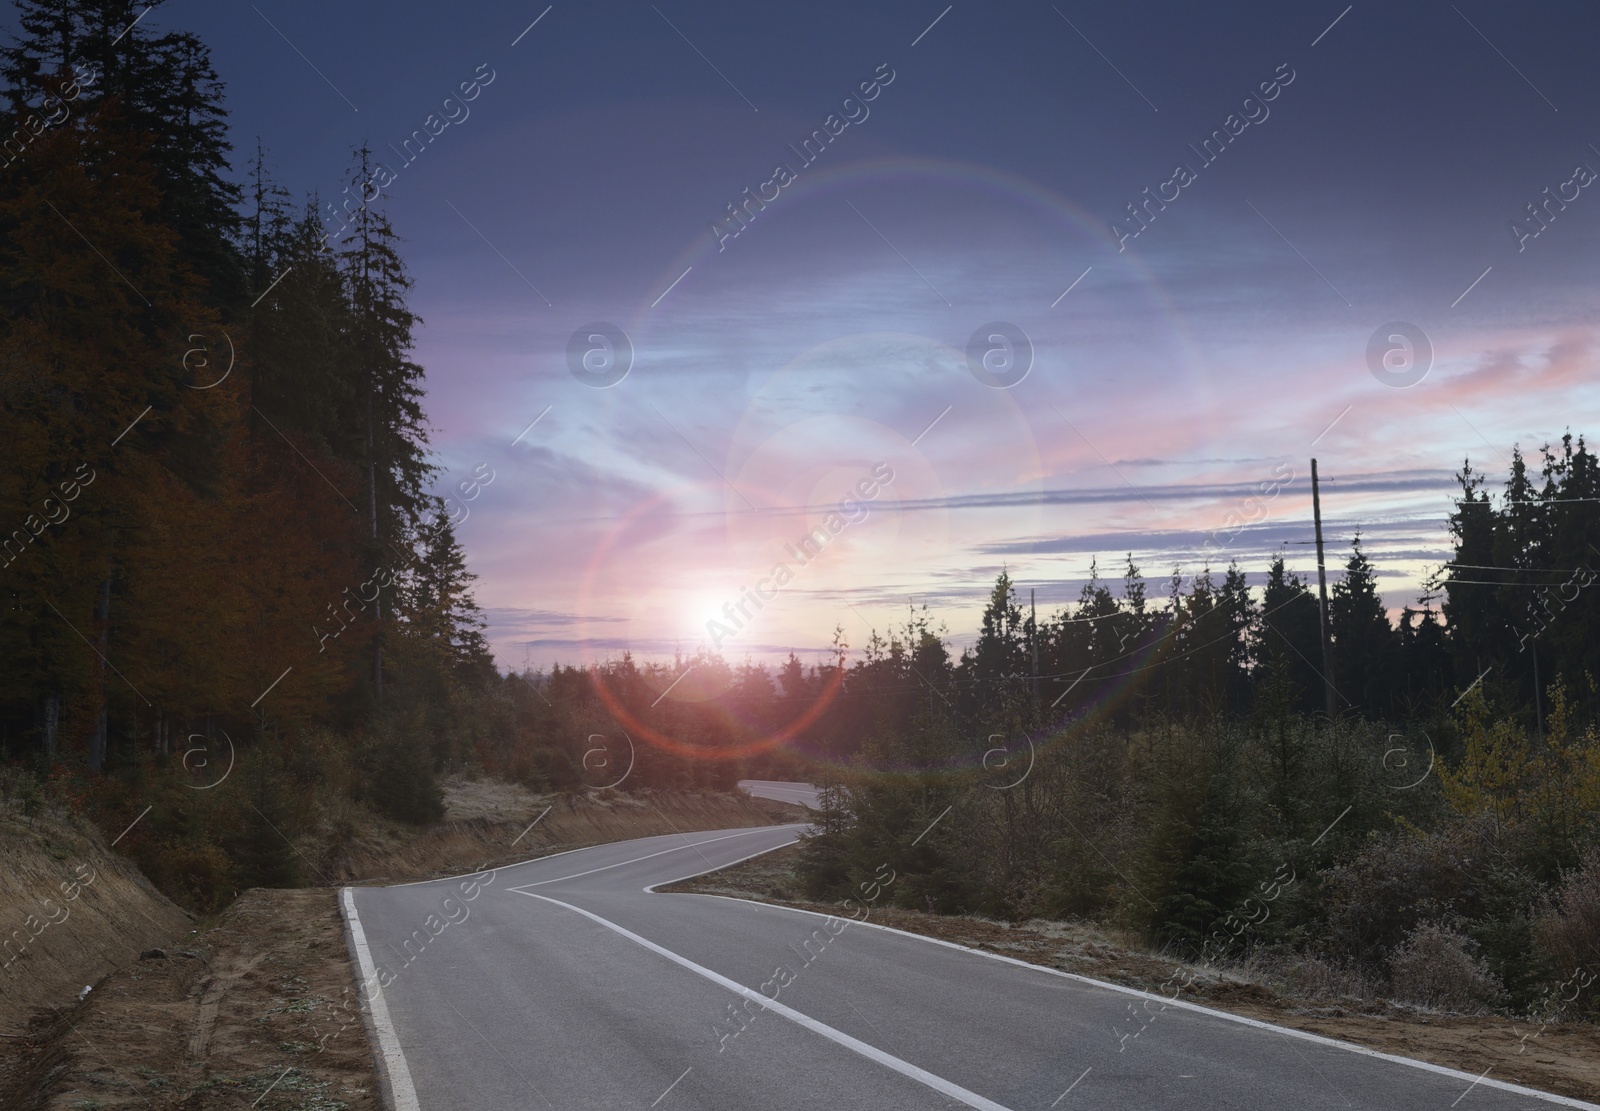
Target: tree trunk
372 520
49 726
102 617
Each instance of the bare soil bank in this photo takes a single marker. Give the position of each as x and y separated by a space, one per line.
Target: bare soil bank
70 911
261 1004
1563 1058
255 1008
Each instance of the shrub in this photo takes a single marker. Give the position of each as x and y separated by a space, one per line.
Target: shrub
198 877
1436 967
1395 884
400 782
1567 933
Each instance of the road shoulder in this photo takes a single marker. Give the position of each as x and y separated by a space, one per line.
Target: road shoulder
1560 1058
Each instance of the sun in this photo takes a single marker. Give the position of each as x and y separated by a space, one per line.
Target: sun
701 609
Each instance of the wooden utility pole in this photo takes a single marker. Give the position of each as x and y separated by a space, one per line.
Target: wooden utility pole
1322 610
1033 619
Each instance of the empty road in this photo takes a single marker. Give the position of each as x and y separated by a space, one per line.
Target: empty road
802 793
564 983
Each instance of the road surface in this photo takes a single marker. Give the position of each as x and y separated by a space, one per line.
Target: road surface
563 983
803 793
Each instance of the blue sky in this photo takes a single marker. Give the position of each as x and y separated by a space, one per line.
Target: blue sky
978 185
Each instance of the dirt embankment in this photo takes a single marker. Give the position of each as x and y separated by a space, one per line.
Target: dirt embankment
70 911
259 1009
1562 1058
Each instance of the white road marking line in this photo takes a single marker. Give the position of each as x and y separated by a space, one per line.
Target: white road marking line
394 1061
732 863
651 856
1185 1005
872 1053
538 860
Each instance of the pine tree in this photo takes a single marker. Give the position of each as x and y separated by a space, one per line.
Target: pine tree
163 95
389 385
1364 640
1471 606
1288 637
438 607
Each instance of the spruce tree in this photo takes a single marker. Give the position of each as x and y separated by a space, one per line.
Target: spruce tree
1363 638
161 92
394 434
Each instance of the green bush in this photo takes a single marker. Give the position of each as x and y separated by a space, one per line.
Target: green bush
398 763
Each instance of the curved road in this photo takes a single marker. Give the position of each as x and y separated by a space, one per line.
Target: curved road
564 983
802 793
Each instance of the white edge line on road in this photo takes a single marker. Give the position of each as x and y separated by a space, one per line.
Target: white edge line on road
872 1053
651 890
402 1095
1426 1066
650 856
547 856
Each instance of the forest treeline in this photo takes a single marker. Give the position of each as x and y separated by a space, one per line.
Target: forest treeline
1170 768
224 579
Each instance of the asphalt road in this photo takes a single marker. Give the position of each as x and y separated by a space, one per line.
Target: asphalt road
802 793
563 983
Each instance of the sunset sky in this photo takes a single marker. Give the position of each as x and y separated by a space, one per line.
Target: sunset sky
774 370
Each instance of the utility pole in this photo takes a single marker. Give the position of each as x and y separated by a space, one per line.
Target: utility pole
1033 612
1538 704
1322 610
